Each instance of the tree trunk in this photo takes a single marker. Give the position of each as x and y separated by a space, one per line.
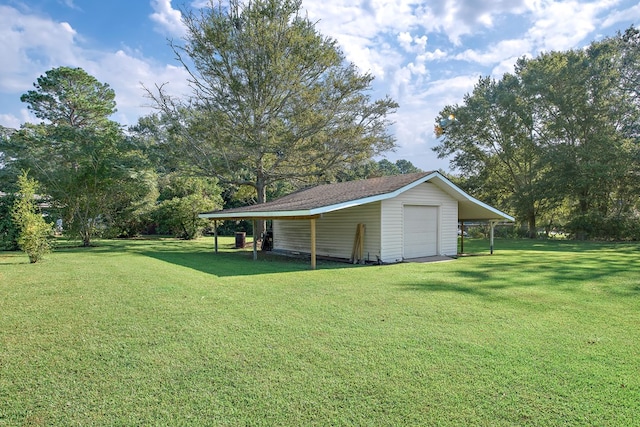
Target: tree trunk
86 238
531 223
261 189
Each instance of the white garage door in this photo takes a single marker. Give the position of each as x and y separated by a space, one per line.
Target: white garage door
420 231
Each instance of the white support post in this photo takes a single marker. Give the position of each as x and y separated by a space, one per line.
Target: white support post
313 243
255 240
492 224
215 234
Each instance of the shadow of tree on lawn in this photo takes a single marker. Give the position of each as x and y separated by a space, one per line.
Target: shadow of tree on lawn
617 271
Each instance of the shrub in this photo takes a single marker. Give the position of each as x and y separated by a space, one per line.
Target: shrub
8 229
34 231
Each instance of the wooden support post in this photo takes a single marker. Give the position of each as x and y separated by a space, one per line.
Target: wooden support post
255 240
215 234
361 246
313 243
461 237
492 226
357 253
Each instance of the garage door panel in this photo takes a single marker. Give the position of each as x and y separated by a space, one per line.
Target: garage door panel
420 231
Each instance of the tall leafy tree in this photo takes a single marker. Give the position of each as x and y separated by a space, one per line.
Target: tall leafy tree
273 100
578 99
628 46
372 169
494 144
82 159
405 166
70 96
557 138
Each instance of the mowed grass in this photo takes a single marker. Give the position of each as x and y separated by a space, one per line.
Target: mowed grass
165 332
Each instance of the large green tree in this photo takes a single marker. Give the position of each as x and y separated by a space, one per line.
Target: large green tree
628 46
558 134
582 108
81 158
493 142
273 100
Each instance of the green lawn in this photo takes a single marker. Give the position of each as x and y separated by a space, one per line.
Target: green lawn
165 332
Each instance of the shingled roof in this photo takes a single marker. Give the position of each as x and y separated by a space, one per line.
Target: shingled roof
333 194
330 197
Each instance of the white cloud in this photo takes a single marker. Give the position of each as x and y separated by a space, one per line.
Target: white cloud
457 18
405 39
30 45
562 25
127 72
496 53
167 17
621 16
36 44
412 44
506 66
421 42
451 90
423 54
13 121
435 55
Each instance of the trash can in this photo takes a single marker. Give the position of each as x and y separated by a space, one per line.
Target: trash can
241 237
267 241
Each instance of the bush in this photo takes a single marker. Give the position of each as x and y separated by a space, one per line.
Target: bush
34 231
8 228
179 216
595 226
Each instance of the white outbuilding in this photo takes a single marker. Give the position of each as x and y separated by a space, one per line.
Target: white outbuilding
386 219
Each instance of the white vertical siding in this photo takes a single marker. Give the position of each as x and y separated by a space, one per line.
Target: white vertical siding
384 233
335 233
392 226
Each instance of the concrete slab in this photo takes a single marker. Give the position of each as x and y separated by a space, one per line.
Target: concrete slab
437 258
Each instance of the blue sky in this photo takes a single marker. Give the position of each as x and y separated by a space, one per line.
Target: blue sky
424 54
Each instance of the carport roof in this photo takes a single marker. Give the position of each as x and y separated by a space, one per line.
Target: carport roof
315 201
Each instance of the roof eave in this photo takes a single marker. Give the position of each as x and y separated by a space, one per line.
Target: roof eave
259 214
316 212
462 195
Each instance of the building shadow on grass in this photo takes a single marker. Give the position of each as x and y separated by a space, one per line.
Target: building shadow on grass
240 263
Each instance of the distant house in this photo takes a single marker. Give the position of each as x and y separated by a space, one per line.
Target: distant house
387 219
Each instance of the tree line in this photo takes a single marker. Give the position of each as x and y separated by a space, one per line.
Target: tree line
274 107
556 142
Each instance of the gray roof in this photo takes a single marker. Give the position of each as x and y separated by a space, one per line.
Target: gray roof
330 197
331 194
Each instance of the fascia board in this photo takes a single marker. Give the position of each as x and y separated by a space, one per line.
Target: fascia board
256 214
466 196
